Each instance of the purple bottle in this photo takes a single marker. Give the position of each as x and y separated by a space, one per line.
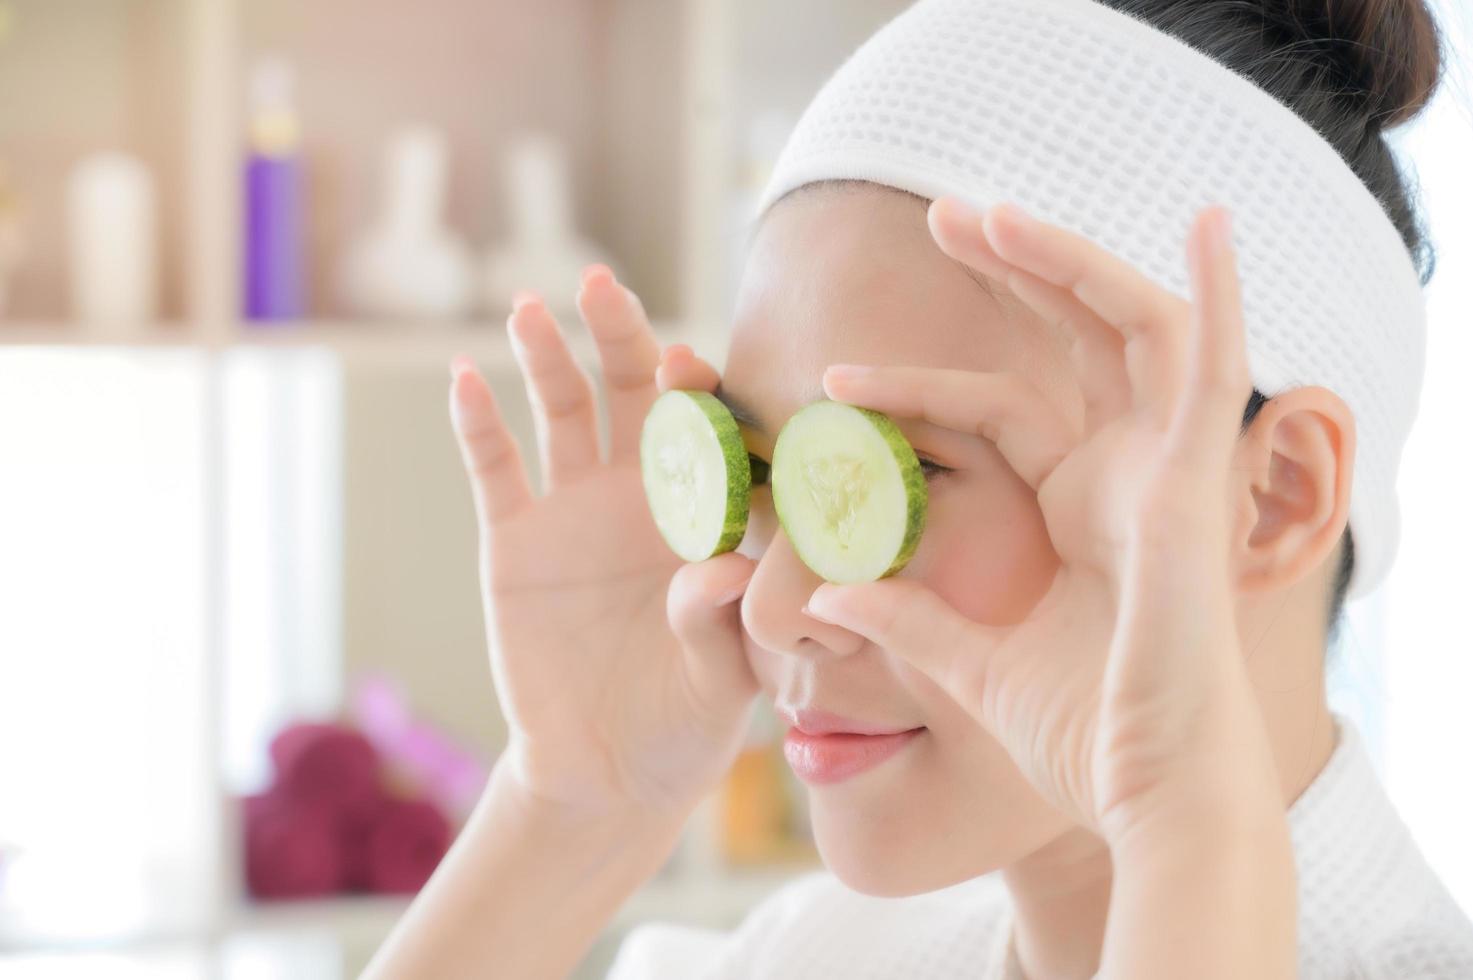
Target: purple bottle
273 247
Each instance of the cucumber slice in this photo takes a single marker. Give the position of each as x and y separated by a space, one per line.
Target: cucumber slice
697 478
849 491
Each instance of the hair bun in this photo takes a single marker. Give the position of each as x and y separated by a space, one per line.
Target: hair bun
1387 52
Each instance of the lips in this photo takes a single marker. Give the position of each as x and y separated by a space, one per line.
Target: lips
812 721
824 759
822 747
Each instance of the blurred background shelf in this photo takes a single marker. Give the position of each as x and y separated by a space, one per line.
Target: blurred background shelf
286 509
322 939
715 901
379 342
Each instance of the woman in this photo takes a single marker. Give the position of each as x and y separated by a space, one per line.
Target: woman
1106 656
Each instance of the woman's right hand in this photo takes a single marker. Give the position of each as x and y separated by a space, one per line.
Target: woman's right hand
619 668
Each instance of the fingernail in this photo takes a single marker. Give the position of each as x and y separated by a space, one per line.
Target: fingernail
1014 211
848 372
514 332
596 269
522 297
1220 238
808 611
460 364
959 208
818 598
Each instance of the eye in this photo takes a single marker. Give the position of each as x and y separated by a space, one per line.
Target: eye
932 469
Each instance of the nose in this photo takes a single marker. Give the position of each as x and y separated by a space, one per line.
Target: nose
772 609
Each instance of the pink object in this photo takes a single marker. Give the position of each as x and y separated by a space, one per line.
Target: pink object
399 846
319 762
291 848
449 775
354 827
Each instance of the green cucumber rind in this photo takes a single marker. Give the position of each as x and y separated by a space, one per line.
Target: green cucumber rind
914 478
738 467
911 474
738 470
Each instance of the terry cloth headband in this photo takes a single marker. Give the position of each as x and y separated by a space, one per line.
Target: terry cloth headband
1103 124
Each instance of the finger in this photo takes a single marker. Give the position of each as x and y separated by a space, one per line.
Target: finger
905 618
703 605
564 410
492 458
680 369
1148 317
628 354
1204 429
1096 349
1003 407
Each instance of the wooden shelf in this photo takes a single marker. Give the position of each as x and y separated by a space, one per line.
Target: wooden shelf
712 900
717 901
431 343
389 342
61 333
356 914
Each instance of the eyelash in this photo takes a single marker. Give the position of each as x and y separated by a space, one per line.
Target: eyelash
930 468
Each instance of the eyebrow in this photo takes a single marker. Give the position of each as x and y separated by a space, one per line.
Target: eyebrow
739 409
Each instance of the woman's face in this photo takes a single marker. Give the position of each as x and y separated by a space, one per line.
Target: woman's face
851 274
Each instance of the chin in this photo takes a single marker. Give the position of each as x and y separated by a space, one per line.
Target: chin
906 830
901 852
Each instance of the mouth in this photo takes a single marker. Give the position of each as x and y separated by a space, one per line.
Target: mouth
820 760
824 748
813 721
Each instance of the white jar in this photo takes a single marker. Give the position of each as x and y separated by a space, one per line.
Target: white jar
112 229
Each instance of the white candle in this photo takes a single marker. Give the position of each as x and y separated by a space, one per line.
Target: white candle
112 225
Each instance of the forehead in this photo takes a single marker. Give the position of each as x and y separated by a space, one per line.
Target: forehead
852 274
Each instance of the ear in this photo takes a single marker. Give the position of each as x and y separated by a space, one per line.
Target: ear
1292 470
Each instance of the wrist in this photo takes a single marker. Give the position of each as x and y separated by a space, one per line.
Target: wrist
1218 781
1214 899
1192 827
528 886
537 816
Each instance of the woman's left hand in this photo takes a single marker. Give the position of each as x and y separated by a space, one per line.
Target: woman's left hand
1123 696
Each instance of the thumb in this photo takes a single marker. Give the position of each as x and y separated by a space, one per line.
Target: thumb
704 608
907 619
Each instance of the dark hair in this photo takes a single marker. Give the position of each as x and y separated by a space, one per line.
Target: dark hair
1351 69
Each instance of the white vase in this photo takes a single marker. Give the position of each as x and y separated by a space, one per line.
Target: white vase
544 253
112 228
410 264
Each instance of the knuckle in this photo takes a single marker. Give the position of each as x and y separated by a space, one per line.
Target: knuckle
575 400
628 377
678 597
487 450
688 587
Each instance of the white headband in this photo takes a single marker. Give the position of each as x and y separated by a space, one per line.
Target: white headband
1108 126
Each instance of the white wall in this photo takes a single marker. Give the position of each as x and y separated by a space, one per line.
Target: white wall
1429 594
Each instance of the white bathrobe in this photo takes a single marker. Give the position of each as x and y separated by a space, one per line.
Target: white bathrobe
1370 908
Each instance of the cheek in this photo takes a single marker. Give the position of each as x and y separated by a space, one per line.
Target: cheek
986 549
